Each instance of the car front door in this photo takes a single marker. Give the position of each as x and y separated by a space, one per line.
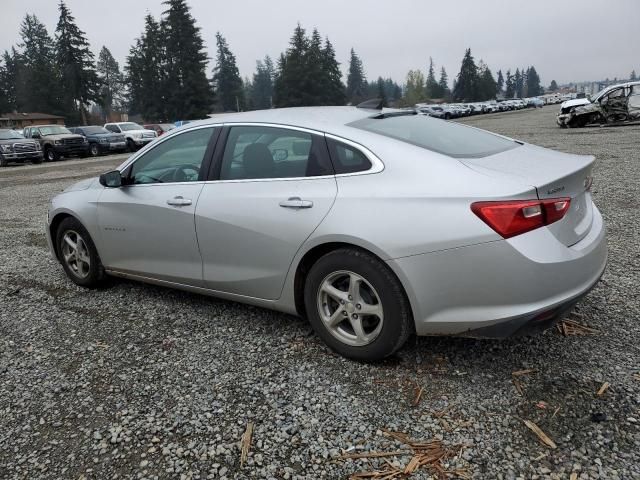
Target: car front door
147 225
272 187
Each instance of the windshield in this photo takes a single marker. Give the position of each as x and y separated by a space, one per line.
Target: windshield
53 130
127 127
9 135
94 130
452 139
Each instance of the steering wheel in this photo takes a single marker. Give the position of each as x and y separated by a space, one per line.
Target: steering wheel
180 172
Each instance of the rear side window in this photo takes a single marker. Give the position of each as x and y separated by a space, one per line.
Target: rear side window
448 138
347 159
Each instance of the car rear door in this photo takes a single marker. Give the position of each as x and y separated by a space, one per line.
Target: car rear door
147 225
271 187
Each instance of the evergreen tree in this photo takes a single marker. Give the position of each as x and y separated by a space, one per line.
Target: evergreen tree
291 81
633 76
414 90
518 83
510 87
466 88
382 94
432 87
76 66
443 84
226 79
500 83
146 74
7 84
487 86
38 86
533 83
332 88
262 85
553 86
356 80
315 81
112 89
186 90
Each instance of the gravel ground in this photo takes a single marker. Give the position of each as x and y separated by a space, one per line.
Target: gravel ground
135 381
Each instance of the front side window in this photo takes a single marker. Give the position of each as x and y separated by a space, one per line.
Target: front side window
177 159
271 152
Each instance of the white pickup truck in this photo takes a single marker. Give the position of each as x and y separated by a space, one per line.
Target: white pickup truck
137 136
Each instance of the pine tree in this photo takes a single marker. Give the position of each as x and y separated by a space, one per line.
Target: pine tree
500 83
533 83
262 85
291 80
356 80
146 73
432 87
553 86
518 83
414 90
38 86
466 88
226 79
112 89
186 90
315 78
76 64
333 90
443 84
633 76
381 92
7 100
487 86
510 87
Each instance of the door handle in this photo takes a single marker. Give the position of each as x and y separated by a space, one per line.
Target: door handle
179 201
296 202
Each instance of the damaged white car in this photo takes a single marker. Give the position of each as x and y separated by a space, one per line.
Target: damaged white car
612 105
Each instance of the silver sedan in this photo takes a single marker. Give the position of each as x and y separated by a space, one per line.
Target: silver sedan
372 224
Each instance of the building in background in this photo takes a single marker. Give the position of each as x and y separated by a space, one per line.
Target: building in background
21 120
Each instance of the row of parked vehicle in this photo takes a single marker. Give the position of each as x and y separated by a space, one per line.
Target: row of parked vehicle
456 110
52 142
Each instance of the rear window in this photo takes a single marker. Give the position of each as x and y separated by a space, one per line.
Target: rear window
448 138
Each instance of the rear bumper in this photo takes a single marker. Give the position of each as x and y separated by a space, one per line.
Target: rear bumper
495 289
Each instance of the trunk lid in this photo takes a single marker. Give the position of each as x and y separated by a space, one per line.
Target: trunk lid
554 175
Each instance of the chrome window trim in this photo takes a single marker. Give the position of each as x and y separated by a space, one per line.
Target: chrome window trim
376 164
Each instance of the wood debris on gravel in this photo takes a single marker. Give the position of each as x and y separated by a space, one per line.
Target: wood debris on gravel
544 438
245 443
570 327
429 455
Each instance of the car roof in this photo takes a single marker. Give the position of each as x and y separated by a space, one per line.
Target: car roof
333 120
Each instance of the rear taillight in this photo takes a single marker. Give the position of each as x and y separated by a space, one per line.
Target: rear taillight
514 217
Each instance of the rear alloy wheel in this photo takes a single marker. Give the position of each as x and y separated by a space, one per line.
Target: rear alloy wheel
357 305
94 150
78 254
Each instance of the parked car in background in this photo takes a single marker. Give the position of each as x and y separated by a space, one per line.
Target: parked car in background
432 111
136 135
57 141
291 209
101 140
615 104
535 102
15 148
159 128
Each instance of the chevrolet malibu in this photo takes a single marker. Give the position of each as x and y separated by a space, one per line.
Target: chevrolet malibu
373 224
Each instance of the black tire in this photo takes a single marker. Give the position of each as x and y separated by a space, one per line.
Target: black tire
397 324
94 149
51 155
131 146
3 161
447 116
95 273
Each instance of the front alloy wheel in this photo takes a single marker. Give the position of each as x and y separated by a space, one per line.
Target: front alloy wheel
75 254
78 254
94 150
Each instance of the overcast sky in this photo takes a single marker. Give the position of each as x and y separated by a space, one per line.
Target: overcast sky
568 40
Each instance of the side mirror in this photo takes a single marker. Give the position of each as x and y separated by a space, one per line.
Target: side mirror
111 179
